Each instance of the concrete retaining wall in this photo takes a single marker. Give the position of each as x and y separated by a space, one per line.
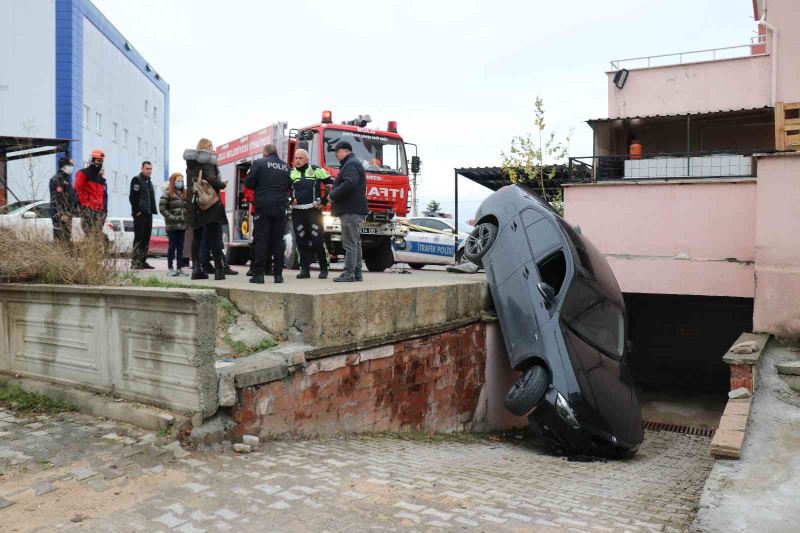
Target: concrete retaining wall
153 346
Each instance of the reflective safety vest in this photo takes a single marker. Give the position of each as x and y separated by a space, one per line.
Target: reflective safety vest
309 187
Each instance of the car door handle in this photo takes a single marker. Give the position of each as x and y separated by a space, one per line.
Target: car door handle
525 272
514 226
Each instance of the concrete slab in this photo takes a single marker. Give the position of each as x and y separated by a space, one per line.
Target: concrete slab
759 340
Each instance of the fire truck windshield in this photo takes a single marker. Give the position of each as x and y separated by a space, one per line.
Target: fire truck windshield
377 153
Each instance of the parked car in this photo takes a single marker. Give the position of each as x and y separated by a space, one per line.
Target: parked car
159 242
432 247
33 217
564 324
123 229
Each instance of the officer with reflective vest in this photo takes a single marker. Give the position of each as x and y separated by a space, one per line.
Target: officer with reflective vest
310 194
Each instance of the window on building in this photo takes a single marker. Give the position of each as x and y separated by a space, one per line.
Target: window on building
86 117
125 138
155 114
146 107
98 122
114 132
138 145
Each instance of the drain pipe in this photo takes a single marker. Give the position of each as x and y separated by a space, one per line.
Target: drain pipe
774 52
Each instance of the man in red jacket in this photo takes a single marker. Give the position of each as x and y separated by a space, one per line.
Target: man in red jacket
92 192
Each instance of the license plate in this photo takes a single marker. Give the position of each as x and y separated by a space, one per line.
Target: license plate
370 230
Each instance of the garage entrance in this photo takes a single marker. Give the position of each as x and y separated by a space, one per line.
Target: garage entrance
679 341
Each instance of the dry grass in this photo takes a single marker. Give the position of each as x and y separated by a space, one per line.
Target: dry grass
29 258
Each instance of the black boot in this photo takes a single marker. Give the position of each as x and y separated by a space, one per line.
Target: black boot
257 278
208 268
230 272
198 274
304 274
219 273
323 274
278 278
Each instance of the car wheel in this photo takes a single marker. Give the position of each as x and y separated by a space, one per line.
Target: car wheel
528 391
479 242
416 266
291 256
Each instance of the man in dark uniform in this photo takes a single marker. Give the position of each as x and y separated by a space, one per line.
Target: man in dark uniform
310 194
143 205
269 179
63 203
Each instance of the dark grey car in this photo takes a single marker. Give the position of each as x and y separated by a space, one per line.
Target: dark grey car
563 320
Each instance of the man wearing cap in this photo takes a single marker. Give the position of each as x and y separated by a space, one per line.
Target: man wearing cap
92 193
63 203
349 199
308 188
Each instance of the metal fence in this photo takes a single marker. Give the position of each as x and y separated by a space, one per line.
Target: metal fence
757 43
664 166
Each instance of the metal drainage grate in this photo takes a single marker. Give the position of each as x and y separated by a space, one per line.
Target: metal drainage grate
675 428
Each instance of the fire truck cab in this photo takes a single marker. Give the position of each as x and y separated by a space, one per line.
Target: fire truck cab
381 152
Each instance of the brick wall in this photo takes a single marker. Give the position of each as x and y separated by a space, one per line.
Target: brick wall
427 384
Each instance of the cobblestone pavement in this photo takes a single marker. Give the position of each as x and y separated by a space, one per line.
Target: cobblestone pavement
76 473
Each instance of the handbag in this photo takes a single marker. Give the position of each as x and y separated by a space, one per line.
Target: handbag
205 195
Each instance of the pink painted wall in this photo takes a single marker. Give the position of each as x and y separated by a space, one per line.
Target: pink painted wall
678 237
785 16
777 301
692 88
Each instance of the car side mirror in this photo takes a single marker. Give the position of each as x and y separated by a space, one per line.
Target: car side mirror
28 214
547 292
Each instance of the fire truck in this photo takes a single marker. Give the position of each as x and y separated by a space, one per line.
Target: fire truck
383 154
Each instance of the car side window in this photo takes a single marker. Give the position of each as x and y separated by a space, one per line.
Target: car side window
420 222
553 270
42 211
439 225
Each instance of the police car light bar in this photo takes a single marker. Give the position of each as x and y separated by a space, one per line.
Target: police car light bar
327 117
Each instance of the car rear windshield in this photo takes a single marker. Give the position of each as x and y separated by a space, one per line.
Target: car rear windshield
594 318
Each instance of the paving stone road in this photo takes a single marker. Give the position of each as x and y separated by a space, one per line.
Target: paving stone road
73 472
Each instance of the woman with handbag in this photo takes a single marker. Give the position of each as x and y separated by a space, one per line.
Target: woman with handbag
205 209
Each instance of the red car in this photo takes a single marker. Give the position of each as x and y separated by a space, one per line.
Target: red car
159 242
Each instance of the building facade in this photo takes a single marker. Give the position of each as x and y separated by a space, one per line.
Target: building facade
73 75
695 178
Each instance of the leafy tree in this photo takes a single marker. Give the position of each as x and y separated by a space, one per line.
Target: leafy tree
529 154
433 208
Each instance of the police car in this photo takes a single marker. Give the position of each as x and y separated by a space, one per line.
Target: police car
431 241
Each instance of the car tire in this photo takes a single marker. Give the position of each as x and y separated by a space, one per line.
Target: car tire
479 242
291 255
417 266
527 391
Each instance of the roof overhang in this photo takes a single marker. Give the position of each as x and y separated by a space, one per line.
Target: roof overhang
682 116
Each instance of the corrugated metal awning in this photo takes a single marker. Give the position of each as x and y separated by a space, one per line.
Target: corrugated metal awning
683 115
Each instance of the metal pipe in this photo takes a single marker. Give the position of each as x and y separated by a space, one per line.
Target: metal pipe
774 52
455 172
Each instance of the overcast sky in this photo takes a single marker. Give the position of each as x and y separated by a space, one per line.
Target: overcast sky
459 77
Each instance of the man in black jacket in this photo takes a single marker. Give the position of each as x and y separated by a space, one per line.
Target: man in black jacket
143 205
63 202
349 203
269 179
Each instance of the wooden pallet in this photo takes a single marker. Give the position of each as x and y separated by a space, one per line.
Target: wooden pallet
787 126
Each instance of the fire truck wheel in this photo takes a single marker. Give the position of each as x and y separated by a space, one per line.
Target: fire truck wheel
380 257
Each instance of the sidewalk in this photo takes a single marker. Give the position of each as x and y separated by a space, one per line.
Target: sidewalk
760 492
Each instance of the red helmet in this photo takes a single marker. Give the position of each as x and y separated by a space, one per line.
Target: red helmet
97 153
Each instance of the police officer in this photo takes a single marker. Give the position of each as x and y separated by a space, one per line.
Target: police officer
308 188
269 179
63 203
143 204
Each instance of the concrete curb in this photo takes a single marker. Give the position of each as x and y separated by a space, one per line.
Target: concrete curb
145 417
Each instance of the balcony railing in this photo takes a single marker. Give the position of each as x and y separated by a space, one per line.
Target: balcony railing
694 56
691 165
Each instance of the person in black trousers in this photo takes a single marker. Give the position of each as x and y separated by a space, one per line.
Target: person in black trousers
63 202
201 165
269 179
143 205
